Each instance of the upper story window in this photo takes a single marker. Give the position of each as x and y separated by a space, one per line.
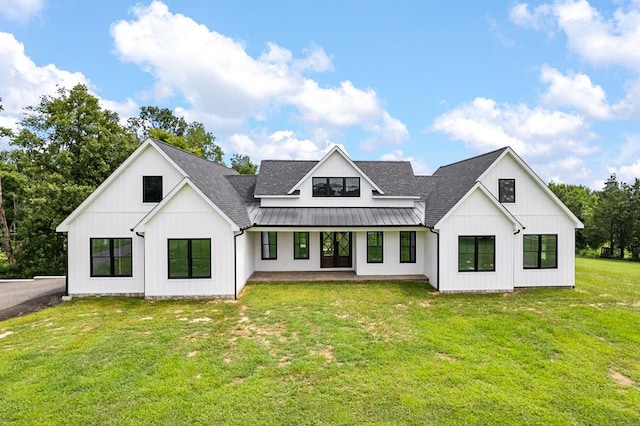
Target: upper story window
336 186
507 190
151 189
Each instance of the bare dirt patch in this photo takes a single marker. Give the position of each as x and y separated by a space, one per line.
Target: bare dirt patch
620 378
445 357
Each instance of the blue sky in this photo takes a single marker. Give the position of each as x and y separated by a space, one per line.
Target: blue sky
431 82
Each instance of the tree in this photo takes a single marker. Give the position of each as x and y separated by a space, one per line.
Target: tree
633 194
243 165
162 124
611 218
7 246
68 144
580 200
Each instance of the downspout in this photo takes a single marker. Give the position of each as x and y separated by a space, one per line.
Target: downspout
66 261
144 279
513 250
437 257
235 265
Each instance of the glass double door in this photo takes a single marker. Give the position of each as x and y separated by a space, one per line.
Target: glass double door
335 249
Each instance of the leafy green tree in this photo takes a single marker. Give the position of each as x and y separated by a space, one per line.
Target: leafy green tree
580 200
164 125
633 194
6 218
243 165
68 144
611 218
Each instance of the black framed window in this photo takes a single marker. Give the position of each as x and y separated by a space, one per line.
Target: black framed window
407 246
540 251
374 247
189 258
151 189
507 190
476 253
301 245
111 257
336 186
269 245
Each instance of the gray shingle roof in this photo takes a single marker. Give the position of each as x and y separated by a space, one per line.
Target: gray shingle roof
211 179
277 177
244 185
452 182
392 177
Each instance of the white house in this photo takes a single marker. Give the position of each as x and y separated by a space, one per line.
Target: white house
169 224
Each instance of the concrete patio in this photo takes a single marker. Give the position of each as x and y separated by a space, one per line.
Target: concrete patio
261 276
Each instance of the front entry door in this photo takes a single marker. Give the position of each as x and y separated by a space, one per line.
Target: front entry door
336 249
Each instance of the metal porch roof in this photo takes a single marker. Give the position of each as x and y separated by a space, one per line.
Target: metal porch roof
336 216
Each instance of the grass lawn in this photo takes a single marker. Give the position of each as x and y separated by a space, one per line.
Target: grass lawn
379 353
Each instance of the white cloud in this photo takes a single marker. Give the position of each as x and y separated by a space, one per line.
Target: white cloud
23 82
627 172
280 145
569 168
484 125
223 83
574 90
418 165
21 10
597 39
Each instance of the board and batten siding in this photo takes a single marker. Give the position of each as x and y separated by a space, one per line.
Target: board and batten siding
186 216
115 211
431 257
476 216
245 258
285 260
390 254
539 214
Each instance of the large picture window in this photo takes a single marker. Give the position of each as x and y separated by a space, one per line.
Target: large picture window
374 247
151 189
540 251
336 186
111 257
190 258
301 245
507 190
477 253
408 247
269 245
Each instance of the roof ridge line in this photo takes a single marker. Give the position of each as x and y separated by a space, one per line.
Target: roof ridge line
475 157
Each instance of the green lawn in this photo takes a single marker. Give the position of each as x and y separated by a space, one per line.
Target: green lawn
379 353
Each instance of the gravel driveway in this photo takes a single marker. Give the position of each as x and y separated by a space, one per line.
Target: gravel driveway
19 297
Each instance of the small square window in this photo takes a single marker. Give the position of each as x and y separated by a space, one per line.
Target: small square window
151 189
507 190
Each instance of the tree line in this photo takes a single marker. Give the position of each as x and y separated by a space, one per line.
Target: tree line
64 147
611 217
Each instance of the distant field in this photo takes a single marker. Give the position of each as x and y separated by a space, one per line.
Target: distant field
350 353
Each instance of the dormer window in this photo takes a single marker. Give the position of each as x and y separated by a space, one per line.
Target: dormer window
336 186
507 190
151 189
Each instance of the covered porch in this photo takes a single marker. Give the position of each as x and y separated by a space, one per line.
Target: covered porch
292 276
